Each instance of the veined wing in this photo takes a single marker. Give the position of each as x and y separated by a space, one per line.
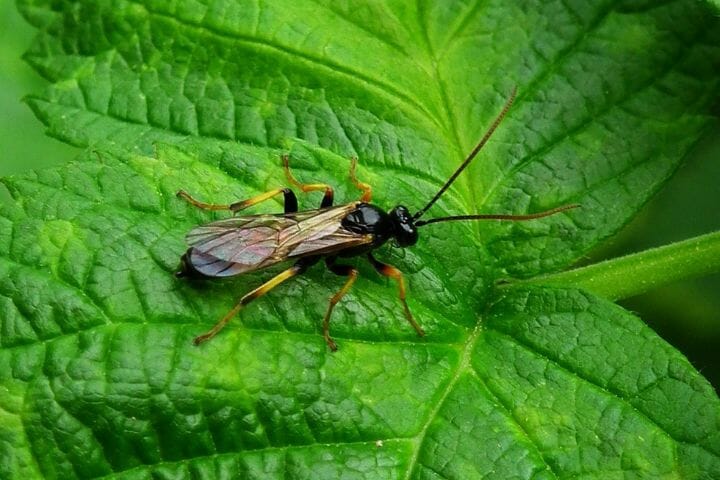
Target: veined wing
242 244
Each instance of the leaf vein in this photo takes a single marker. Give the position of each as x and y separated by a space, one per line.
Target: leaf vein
371 83
592 116
607 390
511 416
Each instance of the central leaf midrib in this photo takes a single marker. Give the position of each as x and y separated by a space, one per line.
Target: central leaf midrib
450 125
462 364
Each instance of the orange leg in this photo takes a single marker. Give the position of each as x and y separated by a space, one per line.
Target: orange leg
395 274
346 271
308 187
293 271
202 205
366 189
289 196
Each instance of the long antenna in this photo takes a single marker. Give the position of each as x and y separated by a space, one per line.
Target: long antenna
472 155
499 216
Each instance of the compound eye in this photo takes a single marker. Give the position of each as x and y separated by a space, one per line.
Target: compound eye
407 235
405 231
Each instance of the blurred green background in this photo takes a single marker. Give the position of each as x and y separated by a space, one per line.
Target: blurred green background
23 142
686 314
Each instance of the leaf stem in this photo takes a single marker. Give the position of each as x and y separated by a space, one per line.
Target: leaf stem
638 273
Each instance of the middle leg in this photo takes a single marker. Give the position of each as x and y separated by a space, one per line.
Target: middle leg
327 200
345 271
366 189
290 201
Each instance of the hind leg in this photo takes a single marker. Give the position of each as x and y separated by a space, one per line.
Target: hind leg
300 267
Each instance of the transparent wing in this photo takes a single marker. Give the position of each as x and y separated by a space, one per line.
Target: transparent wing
245 240
242 244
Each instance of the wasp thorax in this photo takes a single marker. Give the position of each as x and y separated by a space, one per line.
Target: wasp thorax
405 231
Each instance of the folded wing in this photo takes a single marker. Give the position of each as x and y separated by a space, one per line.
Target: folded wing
243 244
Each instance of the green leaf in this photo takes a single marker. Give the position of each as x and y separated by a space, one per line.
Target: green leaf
611 95
101 378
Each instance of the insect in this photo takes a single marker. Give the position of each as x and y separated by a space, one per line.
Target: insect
246 243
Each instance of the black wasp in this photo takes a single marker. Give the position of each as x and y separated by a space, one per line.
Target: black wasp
250 242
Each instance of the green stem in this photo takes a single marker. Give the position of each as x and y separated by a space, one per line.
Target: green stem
640 272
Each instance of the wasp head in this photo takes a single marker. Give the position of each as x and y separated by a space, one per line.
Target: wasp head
405 232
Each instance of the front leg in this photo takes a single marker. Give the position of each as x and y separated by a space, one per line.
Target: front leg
395 274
